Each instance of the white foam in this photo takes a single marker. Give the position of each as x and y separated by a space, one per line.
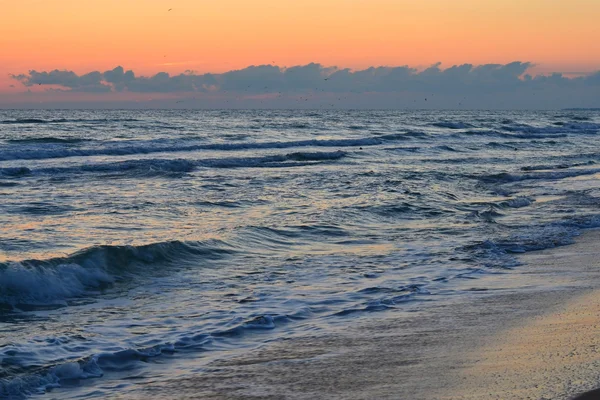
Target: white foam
48 284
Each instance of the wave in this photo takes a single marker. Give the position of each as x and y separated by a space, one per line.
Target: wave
375 306
511 130
143 168
43 208
555 166
49 140
156 147
26 385
273 161
574 117
403 136
29 380
299 231
488 215
517 202
499 253
288 125
566 127
131 168
283 238
7 184
497 145
38 380
447 148
506 177
452 125
51 282
406 210
14 172
514 134
411 149
64 120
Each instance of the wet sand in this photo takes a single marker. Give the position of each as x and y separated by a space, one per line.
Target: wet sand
537 343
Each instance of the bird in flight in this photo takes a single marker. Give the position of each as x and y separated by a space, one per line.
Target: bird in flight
170 9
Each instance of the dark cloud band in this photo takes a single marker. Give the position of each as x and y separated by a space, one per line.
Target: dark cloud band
466 78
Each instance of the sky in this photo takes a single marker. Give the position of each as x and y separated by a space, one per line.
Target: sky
196 37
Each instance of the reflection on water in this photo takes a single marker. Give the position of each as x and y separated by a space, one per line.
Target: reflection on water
132 237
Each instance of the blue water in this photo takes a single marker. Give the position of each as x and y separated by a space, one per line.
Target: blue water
136 239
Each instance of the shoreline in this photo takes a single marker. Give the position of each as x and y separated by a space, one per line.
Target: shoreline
501 343
555 354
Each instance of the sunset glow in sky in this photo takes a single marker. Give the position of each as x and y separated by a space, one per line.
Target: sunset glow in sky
217 36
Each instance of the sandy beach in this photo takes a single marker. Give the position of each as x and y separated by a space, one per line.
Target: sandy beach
552 355
536 344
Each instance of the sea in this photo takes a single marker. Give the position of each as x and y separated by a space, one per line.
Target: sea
139 246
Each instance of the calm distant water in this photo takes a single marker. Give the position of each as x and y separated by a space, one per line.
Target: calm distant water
131 239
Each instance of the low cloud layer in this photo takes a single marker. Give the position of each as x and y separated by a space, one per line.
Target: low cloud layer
311 77
499 84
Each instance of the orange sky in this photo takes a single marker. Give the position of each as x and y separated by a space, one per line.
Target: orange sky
219 35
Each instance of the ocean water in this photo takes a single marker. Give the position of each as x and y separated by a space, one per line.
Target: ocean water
140 245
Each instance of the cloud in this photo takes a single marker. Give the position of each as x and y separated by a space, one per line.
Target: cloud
312 77
488 85
91 82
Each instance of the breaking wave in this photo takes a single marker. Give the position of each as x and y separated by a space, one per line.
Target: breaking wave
42 283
